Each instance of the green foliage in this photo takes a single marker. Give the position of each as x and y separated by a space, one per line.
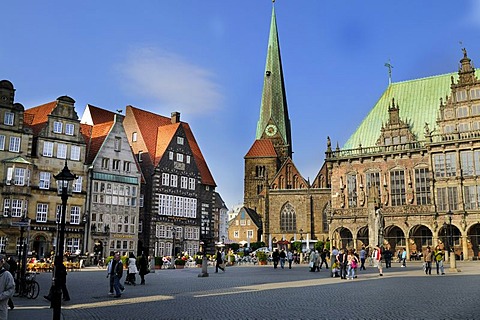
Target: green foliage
231 258
234 246
327 245
297 245
180 262
255 245
107 261
159 261
319 245
261 256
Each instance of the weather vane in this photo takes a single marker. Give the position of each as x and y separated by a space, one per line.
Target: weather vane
390 67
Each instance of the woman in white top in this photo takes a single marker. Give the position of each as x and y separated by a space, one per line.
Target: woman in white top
132 269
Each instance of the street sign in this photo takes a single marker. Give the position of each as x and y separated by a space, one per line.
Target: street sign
20 224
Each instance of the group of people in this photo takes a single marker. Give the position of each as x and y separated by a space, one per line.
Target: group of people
437 255
282 257
346 262
316 260
115 272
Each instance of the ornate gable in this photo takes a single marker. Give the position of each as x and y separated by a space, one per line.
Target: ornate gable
288 177
395 131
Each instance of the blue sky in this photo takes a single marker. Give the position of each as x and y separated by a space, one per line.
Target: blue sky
206 59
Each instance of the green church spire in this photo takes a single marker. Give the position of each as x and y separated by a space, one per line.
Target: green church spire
274 122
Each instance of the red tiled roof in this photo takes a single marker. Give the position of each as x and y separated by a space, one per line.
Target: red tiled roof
148 123
157 140
262 148
37 117
100 115
94 137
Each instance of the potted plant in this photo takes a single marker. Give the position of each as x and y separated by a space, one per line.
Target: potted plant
180 263
262 257
158 262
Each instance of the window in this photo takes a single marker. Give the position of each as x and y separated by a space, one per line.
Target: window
77 186
461 95
476 159
463 127
117 144
126 166
173 180
466 159
48 149
470 197
61 151
140 201
170 155
8 118
44 182
69 129
236 234
75 215
116 164
14 144
475 93
422 186
249 234
352 190
105 163
180 157
165 179
447 198
19 179
449 128
191 183
373 180
3 244
6 207
75 153
73 244
134 136
397 185
288 219
57 127
445 165
2 142
475 109
42 212
180 140
183 182
462 112
17 207
188 159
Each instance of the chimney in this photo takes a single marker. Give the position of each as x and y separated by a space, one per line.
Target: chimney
175 117
119 118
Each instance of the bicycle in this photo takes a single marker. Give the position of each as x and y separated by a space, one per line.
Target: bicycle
27 287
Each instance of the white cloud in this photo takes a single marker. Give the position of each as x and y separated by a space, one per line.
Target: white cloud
171 81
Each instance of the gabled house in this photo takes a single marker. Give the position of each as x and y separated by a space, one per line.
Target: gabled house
179 189
113 192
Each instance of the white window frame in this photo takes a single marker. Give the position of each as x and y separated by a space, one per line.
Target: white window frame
180 157
191 183
69 129
42 212
180 140
134 136
183 182
47 149
57 127
75 214
170 155
2 142
44 180
9 118
62 151
77 186
165 179
75 153
14 145
20 176
173 180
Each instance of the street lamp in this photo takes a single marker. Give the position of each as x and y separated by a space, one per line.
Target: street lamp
172 263
64 187
453 261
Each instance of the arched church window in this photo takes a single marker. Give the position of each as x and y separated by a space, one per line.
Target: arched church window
288 219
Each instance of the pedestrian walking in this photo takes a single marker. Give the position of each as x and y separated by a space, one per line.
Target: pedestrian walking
311 260
290 259
404 258
323 258
60 280
363 256
219 261
11 266
427 260
132 270
439 255
282 255
275 258
143 266
117 273
7 288
377 259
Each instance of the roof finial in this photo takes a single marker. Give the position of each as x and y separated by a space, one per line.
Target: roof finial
389 66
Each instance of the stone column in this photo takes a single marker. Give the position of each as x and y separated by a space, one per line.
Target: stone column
465 247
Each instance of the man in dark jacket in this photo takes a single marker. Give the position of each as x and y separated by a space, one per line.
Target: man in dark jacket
117 273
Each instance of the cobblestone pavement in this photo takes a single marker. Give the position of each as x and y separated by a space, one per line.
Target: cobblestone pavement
261 292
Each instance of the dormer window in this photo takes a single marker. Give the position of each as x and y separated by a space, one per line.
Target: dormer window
57 127
180 140
69 129
8 118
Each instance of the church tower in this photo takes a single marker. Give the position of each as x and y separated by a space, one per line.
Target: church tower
273 143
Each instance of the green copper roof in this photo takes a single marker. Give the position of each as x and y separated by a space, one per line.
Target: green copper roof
274 102
418 101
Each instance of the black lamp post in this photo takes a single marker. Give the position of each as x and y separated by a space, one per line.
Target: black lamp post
172 264
453 262
64 187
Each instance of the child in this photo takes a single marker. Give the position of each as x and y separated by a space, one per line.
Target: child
335 270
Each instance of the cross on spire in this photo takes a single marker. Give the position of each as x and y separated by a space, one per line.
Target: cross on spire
389 66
